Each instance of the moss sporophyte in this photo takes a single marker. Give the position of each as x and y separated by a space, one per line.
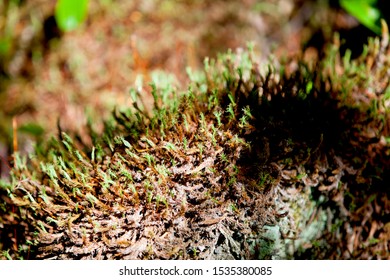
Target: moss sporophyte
228 169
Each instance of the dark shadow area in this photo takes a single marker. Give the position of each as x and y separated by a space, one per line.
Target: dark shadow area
300 127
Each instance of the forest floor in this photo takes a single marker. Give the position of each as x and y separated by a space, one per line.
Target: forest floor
56 79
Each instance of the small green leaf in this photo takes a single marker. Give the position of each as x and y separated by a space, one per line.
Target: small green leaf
70 14
5 46
32 129
365 12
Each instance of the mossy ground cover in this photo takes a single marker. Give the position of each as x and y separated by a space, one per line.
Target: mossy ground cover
244 159
249 162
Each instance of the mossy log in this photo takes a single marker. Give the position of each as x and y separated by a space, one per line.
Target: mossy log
250 162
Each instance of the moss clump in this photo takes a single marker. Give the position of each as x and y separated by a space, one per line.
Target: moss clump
209 173
166 184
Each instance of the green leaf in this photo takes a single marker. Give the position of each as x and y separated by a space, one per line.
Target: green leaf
32 129
70 14
365 12
5 45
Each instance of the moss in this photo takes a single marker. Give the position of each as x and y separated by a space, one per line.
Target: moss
208 172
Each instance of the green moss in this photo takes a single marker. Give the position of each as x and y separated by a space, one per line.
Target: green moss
203 172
